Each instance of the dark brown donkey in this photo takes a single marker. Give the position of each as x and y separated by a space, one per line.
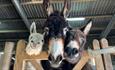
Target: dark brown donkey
75 43
55 32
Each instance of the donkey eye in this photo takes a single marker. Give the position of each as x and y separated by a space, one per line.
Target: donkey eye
65 30
46 29
82 41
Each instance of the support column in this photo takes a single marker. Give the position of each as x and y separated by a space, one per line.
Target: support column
7 55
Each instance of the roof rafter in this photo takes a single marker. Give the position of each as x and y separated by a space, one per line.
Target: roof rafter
21 13
108 28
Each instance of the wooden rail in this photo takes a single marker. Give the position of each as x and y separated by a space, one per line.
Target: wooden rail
103 62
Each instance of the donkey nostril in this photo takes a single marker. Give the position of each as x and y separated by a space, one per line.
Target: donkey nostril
59 57
50 57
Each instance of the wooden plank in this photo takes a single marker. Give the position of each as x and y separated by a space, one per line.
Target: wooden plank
98 58
106 57
19 59
82 62
41 56
1 60
7 55
36 65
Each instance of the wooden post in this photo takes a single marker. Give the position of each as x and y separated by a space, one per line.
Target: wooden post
98 58
28 66
36 65
19 59
106 57
1 59
21 56
7 55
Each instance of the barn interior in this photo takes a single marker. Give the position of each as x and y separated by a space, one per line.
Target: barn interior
16 17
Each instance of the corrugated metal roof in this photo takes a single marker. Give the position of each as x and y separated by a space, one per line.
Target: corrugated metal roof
82 8
100 11
79 8
8 12
92 8
34 11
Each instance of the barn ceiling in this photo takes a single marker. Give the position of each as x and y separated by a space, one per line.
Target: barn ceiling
13 28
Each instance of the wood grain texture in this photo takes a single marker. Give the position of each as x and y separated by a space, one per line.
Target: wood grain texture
106 57
98 58
36 65
7 55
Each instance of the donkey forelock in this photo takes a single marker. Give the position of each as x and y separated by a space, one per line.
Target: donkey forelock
56 23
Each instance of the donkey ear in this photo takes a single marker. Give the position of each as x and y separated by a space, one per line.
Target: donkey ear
48 7
87 28
66 8
33 28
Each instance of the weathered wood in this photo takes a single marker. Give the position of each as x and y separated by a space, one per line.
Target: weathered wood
1 59
106 57
21 56
42 56
82 62
19 53
98 58
28 66
36 65
7 55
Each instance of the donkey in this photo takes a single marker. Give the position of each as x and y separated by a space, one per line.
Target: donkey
34 46
75 43
55 32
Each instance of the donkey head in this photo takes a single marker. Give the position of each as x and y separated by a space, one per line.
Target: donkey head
55 31
74 43
35 41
